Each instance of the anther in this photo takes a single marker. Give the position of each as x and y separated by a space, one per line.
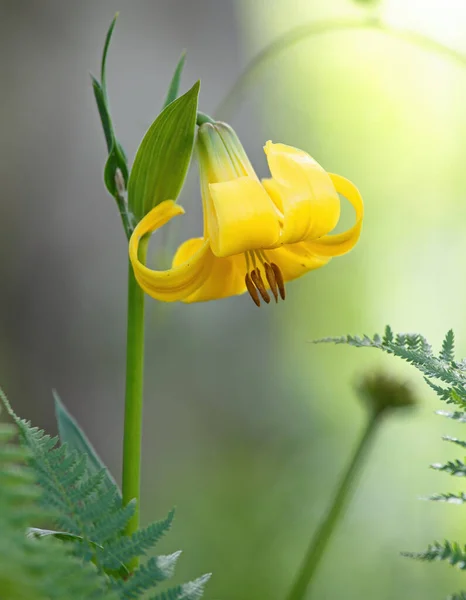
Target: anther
279 279
259 283
252 290
269 273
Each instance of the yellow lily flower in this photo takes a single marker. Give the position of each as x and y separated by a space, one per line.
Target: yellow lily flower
257 234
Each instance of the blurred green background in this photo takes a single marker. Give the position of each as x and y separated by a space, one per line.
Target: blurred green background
247 425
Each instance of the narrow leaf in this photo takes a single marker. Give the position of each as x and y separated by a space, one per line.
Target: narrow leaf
71 434
103 74
100 98
36 532
172 93
163 157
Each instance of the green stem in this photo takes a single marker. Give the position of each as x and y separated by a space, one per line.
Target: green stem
324 533
203 118
134 396
125 217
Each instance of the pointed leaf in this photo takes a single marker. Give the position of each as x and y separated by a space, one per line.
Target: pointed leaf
103 69
172 93
71 434
102 106
163 157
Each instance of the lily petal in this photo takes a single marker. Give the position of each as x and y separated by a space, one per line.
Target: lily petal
226 277
341 243
295 260
244 217
303 191
177 283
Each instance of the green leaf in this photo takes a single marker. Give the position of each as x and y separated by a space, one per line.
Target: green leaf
116 160
101 100
451 552
117 157
103 70
172 93
459 498
448 346
71 434
163 157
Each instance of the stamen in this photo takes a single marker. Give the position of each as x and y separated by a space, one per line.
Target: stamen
279 279
259 283
269 273
246 256
252 290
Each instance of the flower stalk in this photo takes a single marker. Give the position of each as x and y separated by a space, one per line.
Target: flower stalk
131 484
325 531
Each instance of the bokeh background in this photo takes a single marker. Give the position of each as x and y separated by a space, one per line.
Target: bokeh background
247 424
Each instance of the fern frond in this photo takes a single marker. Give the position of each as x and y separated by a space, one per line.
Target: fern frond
156 570
453 440
416 350
87 510
124 548
448 347
453 467
459 498
456 416
43 569
446 551
188 591
447 377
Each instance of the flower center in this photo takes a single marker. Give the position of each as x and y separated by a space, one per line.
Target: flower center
255 282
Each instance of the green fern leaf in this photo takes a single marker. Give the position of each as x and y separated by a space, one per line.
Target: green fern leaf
456 416
43 569
448 347
446 551
416 350
189 591
450 498
122 549
87 511
456 467
454 440
145 577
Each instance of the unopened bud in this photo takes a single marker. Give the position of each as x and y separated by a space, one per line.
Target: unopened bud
382 391
120 182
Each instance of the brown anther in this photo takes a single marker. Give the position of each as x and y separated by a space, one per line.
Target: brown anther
279 279
269 273
259 283
252 290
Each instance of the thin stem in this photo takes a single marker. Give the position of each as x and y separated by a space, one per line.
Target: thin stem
125 218
329 26
325 530
134 396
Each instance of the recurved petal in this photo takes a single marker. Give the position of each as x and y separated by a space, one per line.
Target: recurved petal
295 260
177 283
340 243
244 217
226 276
303 191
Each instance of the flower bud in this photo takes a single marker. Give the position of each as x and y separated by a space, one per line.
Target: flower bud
382 391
